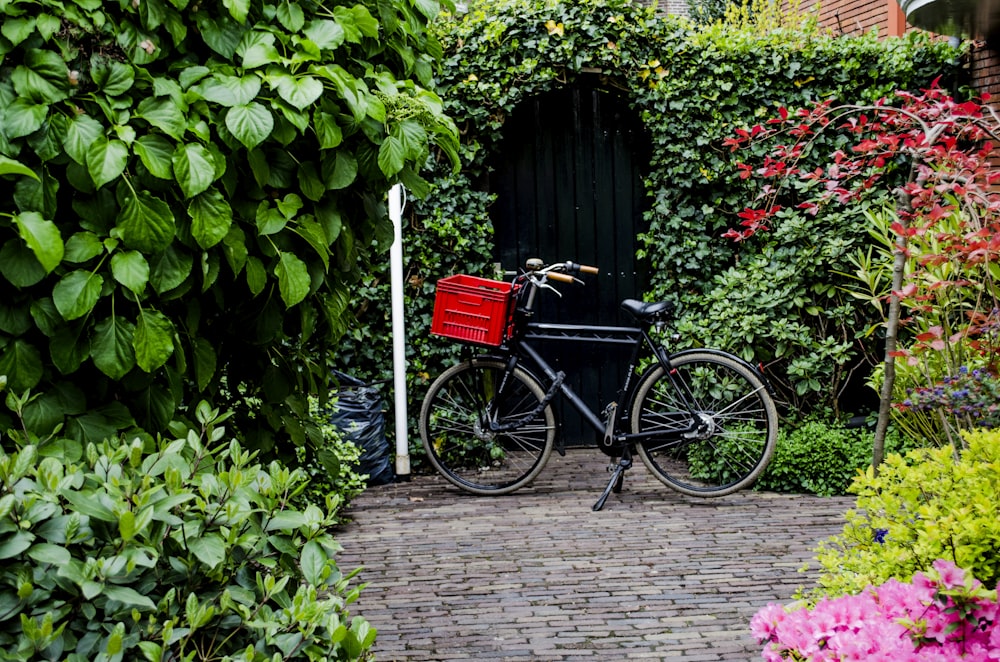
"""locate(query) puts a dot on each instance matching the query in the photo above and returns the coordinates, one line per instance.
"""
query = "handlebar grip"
(585, 269)
(563, 278)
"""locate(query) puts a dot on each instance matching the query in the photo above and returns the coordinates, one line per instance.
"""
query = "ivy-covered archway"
(778, 301)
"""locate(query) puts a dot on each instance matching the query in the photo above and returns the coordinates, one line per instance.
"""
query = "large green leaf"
(429, 8)
(111, 347)
(83, 246)
(269, 219)
(90, 505)
(153, 340)
(14, 544)
(300, 92)
(290, 15)
(256, 275)
(257, 50)
(56, 555)
(42, 237)
(324, 33)
(293, 279)
(24, 117)
(68, 348)
(114, 78)
(327, 130)
(131, 269)
(11, 167)
(313, 562)
(211, 218)
(230, 91)
(165, 114)
(17, 29)
(391, 156)
(194, 168)
(22, 365)
(343, 173)
(238, 9)
(19, 265)
(204, 363)
(106, 160)
(222, 36)
(170, 268)
(156, 153)
(76, 293)
(82, 132)
(310, 230)
(146, 223)
(129, 597)
(250, 123)
(209, 548)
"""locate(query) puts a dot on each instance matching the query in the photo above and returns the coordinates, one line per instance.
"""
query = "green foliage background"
(692, 87)
(190, 191)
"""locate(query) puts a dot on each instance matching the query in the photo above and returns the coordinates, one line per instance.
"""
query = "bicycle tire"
(460, 446)
(737, 424)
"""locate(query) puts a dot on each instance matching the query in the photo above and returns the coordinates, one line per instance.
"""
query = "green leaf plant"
(186, 547)
(191, 190)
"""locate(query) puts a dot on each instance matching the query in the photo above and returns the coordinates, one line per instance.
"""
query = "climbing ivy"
(692, 86)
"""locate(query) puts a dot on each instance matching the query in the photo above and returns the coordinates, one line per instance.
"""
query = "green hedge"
(691, 86)
(187, 548)
(929, 504)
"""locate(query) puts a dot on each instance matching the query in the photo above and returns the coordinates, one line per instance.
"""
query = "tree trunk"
(891, 330)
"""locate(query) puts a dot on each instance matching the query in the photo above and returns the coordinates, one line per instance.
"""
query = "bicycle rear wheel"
(454, 427)
(728, 442)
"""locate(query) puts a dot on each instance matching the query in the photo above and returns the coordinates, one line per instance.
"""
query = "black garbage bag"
(357, 414)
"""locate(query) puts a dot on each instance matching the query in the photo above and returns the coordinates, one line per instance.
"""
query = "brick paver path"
(538, 576)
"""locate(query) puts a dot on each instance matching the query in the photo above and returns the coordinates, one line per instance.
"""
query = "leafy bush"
(190, 191)
(813, 456)
(942, 615)
(178, 549)
(931, 504)
(820, 457)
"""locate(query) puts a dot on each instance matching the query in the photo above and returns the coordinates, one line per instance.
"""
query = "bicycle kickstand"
(617, 477)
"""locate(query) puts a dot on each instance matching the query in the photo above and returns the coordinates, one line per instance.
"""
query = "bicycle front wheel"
(455, 427)
(718, 445)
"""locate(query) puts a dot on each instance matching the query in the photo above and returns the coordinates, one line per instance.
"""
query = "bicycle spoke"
(715, 439)
(455, 427)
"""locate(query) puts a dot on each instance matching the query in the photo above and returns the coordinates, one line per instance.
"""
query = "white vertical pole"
(398, 332)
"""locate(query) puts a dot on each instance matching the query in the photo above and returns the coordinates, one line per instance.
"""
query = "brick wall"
(852, 17)
(858, 16)
(984, 65)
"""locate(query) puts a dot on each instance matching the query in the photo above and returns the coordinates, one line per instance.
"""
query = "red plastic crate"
(471, 309)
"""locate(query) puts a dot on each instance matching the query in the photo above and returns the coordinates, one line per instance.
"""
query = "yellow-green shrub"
(931, 504)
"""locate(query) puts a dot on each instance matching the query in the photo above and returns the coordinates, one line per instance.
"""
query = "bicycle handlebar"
(561, 277)
(534, 265)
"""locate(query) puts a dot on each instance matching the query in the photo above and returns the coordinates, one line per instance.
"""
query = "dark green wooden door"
(569, 184)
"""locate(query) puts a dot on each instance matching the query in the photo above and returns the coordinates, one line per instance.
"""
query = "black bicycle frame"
(520, 347)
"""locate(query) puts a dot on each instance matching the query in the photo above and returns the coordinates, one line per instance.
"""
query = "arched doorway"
(568, 178)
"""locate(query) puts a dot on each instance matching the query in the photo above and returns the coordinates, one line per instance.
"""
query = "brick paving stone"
(537, 575)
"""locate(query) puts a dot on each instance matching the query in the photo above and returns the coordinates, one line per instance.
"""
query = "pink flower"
(942, 616)
(951, 576)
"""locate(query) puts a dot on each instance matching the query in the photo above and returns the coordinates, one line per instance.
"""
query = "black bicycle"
(703, 421)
